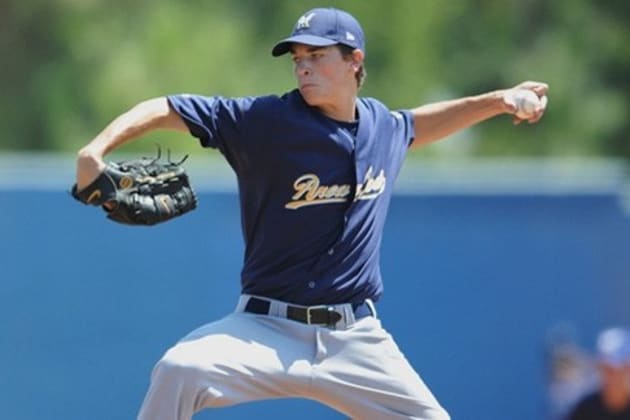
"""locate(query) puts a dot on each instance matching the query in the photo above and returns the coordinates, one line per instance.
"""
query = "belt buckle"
(314, 308)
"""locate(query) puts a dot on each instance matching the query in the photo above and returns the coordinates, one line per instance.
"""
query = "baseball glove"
(141, 191)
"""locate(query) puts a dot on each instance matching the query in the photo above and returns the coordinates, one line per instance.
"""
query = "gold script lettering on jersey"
(309, 191)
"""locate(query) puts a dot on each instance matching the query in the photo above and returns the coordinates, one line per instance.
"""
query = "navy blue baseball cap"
(323, 27)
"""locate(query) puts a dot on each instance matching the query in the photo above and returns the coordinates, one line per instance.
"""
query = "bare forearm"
(147, 116)
(440, 119)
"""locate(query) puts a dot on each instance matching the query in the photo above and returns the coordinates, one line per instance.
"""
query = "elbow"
(422, 140)
(89, 156)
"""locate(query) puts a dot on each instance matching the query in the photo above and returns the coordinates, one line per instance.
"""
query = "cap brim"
(284, 46)
(615, 361)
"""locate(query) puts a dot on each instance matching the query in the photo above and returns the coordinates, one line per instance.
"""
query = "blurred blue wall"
(473, 286)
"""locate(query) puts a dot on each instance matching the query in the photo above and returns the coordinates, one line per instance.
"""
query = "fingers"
(539, 110)
(543, 101)
(540, 89)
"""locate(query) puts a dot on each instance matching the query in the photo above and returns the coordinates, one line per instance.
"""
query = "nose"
(302, 68)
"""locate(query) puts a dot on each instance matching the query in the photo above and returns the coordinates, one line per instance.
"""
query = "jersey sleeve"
(404, 121)
(216, 121)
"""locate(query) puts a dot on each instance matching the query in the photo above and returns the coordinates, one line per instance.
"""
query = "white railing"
(210, 172)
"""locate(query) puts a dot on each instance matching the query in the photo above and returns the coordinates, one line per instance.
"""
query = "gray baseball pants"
(355, 368)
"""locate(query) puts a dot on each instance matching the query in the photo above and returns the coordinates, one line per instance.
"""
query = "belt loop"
(331, 315)
(348, 316)
(278, 308)
(242, 303)
(282, 310)
(370, 305)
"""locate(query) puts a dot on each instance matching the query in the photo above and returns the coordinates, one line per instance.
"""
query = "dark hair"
(361, 74)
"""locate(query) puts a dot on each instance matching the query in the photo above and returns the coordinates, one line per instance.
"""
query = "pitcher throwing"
(316, 168)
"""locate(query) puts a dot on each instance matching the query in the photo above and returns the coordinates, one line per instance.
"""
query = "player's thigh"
(242, 357)
(369, 377)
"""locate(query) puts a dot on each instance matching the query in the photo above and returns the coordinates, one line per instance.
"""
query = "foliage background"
(70, 66)
(528, 250)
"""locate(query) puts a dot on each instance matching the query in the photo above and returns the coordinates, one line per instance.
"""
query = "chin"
(310, 99)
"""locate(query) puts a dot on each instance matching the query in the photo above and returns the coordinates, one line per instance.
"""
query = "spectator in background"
(611, 401)
(572, 376)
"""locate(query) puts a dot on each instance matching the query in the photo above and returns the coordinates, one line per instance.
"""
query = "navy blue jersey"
(314, 192)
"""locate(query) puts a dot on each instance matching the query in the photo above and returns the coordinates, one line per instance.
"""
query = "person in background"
(611, 400)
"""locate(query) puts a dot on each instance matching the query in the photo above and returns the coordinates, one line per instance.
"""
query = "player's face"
(616, 376)
(322, 73)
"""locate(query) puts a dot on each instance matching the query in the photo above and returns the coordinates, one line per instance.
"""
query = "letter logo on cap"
(304, 21)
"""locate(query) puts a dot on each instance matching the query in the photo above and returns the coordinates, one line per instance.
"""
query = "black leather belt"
(317, 315)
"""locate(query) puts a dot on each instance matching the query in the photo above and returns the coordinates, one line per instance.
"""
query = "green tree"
(70, 66)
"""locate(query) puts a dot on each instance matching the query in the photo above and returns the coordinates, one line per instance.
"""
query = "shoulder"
(379, 110)
(592, 398)
(589, 404)
(242, 109)
(374, 105)
(236, 103)
(276, 105)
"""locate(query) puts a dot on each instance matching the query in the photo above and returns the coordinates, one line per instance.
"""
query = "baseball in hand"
(527, 103)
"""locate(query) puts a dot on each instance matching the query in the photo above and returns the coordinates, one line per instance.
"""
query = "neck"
(616, 398)
(344, 109)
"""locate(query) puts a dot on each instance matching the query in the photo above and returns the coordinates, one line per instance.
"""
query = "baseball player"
(315, 168)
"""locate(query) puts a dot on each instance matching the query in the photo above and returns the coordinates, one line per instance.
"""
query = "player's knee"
(435, 412)
(167, 372)
(173, 368)
(184, 381)
(440, 414)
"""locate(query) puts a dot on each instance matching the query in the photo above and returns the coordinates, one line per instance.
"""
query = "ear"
(357, 59)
